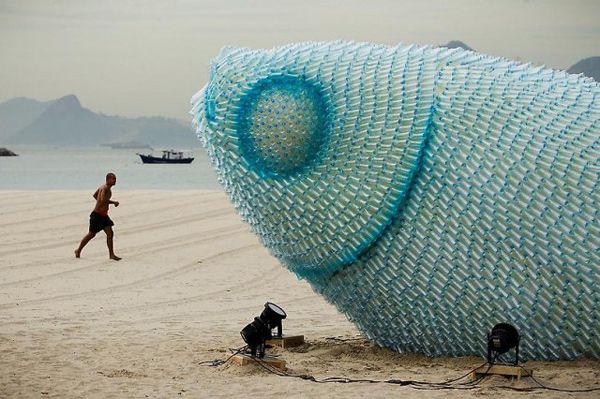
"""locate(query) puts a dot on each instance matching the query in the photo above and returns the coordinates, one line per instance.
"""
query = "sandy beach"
(192, 276)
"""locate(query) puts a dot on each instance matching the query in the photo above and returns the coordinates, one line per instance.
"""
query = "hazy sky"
(137, 58)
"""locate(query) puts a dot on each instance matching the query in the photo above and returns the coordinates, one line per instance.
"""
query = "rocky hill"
(17, 113)
(65, 122)
(590, 67)
(456, 44)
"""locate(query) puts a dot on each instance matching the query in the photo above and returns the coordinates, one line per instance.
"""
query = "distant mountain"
(64, 122)
(17, 113)
(456, 44)
(590, 67)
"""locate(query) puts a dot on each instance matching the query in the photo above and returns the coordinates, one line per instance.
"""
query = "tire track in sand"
(132, 230)
(144, 249)
(137, 283)
(133, 214)
(254, 282)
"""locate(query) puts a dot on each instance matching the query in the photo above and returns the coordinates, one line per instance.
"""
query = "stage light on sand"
(256, 333)
(501, 339)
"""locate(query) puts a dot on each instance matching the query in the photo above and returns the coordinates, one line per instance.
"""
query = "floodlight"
(501, 339)
(256, 333)
(272, 315)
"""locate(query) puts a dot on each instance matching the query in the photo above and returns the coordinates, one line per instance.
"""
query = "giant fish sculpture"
(427, 193)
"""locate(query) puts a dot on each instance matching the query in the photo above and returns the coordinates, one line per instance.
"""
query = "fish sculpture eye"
(282, 125)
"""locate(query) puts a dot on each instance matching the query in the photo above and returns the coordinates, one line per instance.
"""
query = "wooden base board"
(287, 341)
(244, 360)
(501, 369)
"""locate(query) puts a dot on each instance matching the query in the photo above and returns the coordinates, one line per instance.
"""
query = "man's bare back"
(99, 219)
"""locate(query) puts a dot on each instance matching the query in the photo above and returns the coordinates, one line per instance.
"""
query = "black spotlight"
(273, 315)
(501, 339)
(256, 333)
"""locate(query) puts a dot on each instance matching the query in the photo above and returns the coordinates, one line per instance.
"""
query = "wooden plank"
(287, 341)
(501, 369)
(244, 360)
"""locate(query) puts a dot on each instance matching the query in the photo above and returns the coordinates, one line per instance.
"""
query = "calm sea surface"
(45, 168)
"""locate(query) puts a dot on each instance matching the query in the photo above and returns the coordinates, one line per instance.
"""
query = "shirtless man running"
(99, 219)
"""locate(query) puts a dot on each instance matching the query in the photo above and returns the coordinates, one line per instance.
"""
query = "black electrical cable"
(422, 385)
(415, 384)
(339, 339)
(467, 374)
(562, 389)
(219, 362)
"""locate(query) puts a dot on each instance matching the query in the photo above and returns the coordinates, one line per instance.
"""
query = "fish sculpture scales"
(427, 193)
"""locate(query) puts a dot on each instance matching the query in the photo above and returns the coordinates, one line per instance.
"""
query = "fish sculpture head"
(428, 193)
(314, 150)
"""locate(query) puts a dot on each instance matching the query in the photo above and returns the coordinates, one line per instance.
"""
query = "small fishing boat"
(168, 156)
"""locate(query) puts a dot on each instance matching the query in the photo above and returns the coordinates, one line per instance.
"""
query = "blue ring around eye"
(283, 124)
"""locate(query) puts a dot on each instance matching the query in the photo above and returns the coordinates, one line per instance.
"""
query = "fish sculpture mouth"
(321, 153)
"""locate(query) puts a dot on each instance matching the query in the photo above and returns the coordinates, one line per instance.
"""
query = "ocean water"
(52, 168)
